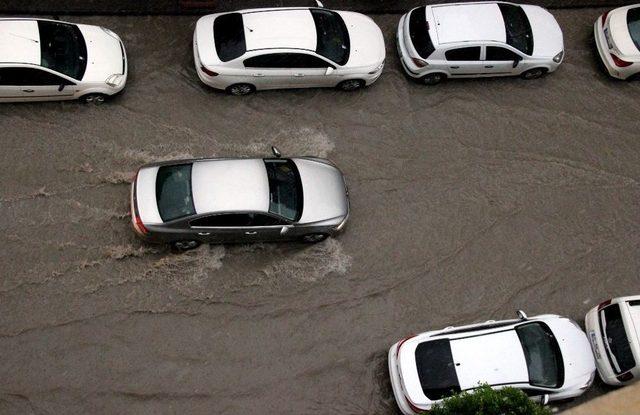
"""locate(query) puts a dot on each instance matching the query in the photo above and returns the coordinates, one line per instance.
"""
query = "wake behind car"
(547, 356)
(258, 49)
(467, 40)
(188, 202)
(617, 34)
(614, 331)
(48, 60)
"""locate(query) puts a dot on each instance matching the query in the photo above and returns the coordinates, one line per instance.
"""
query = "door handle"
(298, 74)
(488, 66)
(454, 67)
(28, 90)
(204, 233)
(251, 233)
(258, 74)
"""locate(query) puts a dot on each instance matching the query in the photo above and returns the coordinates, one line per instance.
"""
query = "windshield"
(285, 189)
(62, 48)
(419, 33)
(633, 22)
(517, 26)
(436, 370)
(333, 37)
(228, 35)
(542, 354)
(173, 192)
(616, 341)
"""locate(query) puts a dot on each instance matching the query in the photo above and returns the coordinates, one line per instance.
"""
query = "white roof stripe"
(19, 41)
(469, 23)
(280, 29)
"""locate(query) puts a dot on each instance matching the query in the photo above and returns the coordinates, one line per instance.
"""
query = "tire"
(534, 73)
(96, 99)
(185, 245)
(433, 78)
(313, 238)
(241, 89)
(351, 85)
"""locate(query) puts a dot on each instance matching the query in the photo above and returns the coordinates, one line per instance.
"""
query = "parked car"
(614, 331)
(47, 60)
(468, 40)
(547, 356)
(257, 49)
(187, 202)
(617, 34)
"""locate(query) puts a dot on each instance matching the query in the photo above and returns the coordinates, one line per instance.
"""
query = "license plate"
(594, 344)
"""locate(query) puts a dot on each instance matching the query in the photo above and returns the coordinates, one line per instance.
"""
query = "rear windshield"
(616, 340)
(542, 354)
(228, 35)
(285, 189)
(436, 370)
(419, 33)
(62, 48)
(517, 26)
(333, 37)
(173, 192)
(633, 21)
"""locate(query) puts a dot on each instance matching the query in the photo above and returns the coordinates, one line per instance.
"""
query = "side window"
(223, 220)
(285, 60)
(496, 53)
(299, 60)
(463, 54)
(28, 77)
(265, 220)
(8, 76)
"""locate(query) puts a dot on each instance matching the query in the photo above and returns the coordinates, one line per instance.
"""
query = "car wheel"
(433, 78)
(534, 73)
(241, 89)
(313, 238)
(351, 84)
(97, 99)
(185, 245)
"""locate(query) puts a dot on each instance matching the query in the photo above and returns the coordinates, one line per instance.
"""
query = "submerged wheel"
(433, 78)
(314, 237)
(351, 84)
(534, 73)
(185, 245)
(241, 89)
(97, 99)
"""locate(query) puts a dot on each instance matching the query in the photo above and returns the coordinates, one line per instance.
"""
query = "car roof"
(230, 186)
(19, 41)
(280, 29)
(469, 22)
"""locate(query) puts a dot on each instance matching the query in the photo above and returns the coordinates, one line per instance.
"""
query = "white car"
(49, 60)
(617, 34)
(547, 356)
(614, 331)
(468, 40)
(256, 49)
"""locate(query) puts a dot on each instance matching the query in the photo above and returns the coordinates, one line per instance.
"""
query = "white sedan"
(468, 40)
(617, 35)
(48, 60)
(249, 50)
(548, 357)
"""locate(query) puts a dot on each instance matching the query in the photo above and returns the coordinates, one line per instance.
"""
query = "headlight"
(110, 33)
(558, 57)
(114, 80)
(341, 225)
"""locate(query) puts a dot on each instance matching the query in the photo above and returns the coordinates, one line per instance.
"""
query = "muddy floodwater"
(469, 200)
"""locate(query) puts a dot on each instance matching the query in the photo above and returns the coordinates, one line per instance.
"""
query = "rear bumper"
(403, 54)
(395, 382)
(594, 334)
(603, 50)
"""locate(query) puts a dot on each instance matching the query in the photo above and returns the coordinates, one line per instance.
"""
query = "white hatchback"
(614, 331)
(547, 356)
(467, 40)
(48, 60)
(250, 50)
(617, 35)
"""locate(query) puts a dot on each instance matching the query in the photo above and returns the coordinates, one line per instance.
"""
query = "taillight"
(208, 71)
(137, 222)
(414, 408)
(625, 377)
(139, 225)
(619, 62)
(604, 17)
(419, 62)
(603, 304)
(404, 340)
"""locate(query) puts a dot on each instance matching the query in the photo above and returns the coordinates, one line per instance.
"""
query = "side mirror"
(276, 152)
(61, 87)
(329, 71)
(285, 229)
(544, 399)
(319, 3)
(522, 315)
(516, 61)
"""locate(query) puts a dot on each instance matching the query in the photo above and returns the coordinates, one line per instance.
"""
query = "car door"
(40, 85)
(464, 61)
(312, 71)
(501, 61)
(264, 228)
(9, 90)
(271, 70)
(222, 227)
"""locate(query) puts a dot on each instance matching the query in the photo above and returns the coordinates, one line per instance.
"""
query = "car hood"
(547, 35)
(366, 42)
(104, 54)
(323, 189)
(579, 364)
(619, 32)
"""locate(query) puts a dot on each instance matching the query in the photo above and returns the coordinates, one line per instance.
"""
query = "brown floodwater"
(469, 200)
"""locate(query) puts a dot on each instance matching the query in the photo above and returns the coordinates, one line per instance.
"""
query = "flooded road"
(469, 200)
